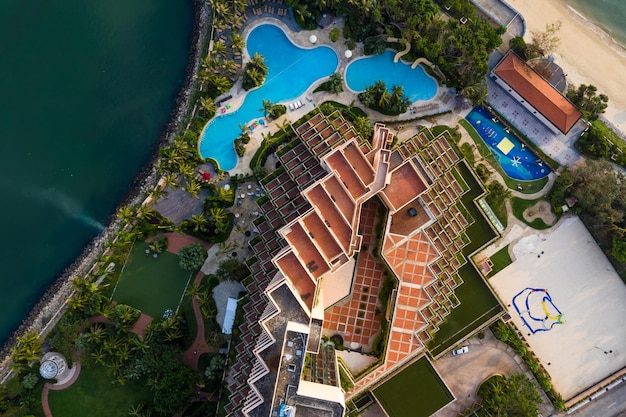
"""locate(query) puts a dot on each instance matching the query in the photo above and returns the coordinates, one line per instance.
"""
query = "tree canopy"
(192, 256)
(587, 100)
(515, 396)
(254, 72)
(459, 49)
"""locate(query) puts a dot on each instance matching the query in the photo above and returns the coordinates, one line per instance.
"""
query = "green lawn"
(415, 392)
(518, 205)
(95, 395)
(501, 259)
(151, 285)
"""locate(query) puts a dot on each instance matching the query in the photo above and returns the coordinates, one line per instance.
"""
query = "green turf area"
(501, 259)
(151, 285)
(518, 205)
(415, 392)
(477, 303)
(95, 395)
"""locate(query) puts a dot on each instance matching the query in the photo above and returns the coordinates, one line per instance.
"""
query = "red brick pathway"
(199, 345)
(48, 387)
(176, 241)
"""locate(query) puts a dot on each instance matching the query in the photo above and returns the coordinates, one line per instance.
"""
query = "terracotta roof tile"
(538, 92)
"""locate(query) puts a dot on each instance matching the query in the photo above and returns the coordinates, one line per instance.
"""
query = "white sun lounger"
(291, 106)
(300, 104)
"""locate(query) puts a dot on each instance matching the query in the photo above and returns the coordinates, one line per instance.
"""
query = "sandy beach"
(586, 54)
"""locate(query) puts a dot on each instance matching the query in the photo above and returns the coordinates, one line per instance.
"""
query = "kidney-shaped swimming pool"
(366, 71)
(291, 70)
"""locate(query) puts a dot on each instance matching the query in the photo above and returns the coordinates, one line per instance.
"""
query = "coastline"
(51, 305)
(587, 54)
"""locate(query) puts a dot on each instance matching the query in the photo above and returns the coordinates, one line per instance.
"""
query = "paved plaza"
(569, 304)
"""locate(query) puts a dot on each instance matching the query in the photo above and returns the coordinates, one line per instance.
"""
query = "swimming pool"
(291, 70)
(366, 71)
(517, 161)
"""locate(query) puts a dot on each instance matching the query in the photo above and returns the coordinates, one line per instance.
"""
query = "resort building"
(337, 202)
(536, 94)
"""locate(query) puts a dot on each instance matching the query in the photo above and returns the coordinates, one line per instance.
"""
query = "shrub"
(334, 34)
(192, 256)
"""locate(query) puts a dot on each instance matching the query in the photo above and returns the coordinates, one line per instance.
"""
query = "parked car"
(461, 350)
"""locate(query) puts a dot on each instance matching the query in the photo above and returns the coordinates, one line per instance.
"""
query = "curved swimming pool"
(517, 161)
(366, 71)
(291, 70)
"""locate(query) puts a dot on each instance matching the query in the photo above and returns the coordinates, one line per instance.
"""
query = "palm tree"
(220, 83)
(217, 214)
(224, 194)
(98, 356)
(126, 213)
(171, 181)
(228, 68)
(237, 42)
(207, 105)
(194, 289)
(219, 48)
(135, 410)
(335, 82)
(258, 61)
(193, 187)
(198, 222)
(186, 170)
(267, 107)
(157, 193)
(303, 12)
(384, 99)
(27, 350)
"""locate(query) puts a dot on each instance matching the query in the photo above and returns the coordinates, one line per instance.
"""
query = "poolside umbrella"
(206, 176)
(313, 39)
(348, 54)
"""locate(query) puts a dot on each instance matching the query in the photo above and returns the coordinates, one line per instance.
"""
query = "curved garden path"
(57, 387)
(199, 345)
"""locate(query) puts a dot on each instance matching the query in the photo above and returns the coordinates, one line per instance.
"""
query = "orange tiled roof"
(538, 92)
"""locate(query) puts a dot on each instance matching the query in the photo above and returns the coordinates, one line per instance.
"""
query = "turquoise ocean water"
(86, 88)
(609, 15)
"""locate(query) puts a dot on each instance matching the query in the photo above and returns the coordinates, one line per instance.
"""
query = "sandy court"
(566, 278)
(541, 210)
(586, 55)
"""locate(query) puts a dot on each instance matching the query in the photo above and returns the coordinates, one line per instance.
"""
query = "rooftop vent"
(412, 212)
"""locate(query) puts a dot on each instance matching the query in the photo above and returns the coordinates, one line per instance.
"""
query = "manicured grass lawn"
(151, 285)
(415, 392)
(500, 260)
(95, 395)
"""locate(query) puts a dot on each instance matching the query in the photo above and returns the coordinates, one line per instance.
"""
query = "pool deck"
(442, 101)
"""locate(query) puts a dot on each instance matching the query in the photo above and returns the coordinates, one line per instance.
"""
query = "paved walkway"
(57, 387)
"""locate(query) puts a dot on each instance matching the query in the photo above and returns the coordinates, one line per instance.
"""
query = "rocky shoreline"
(46, 313)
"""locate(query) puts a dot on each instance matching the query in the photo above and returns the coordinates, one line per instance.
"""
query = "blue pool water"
(364, 72)
(291, 70)
(519, 163)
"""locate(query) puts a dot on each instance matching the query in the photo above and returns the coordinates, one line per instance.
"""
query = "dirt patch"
(541, 210)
